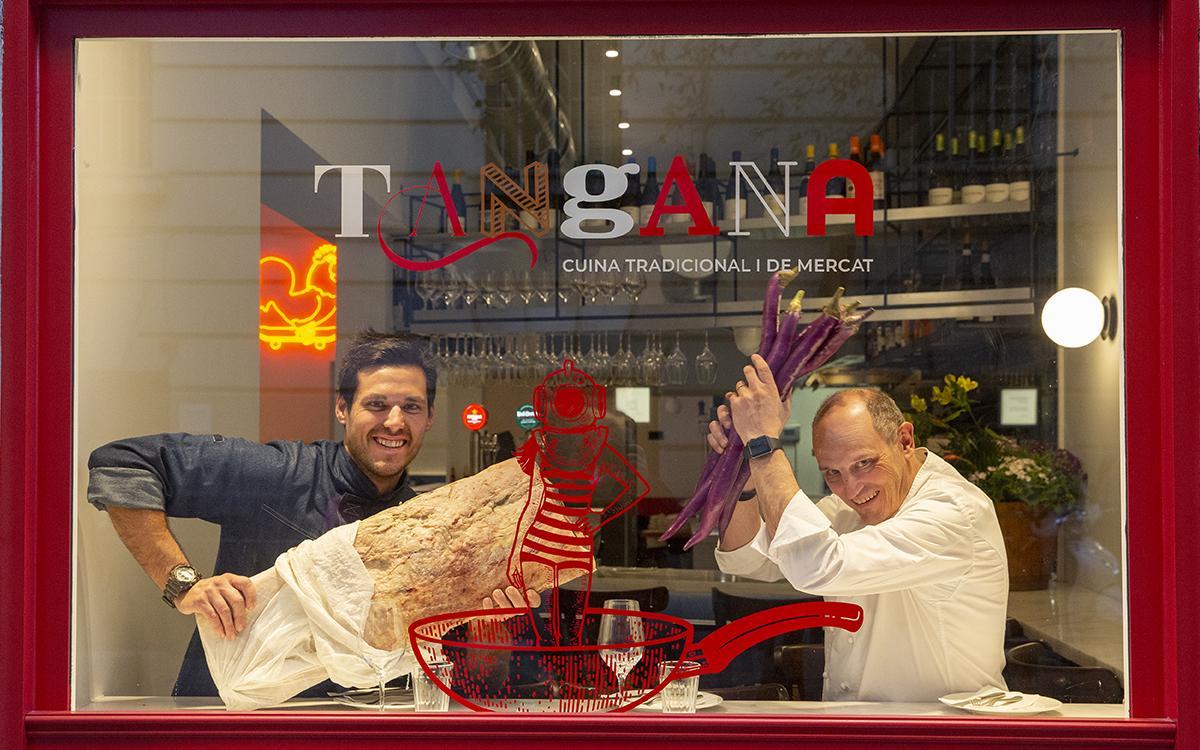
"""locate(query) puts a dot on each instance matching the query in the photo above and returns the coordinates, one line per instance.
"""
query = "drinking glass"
(633, 284)
(625, 364)
(652, 363)
(706, 365)
(679, 695)
(427, 695)
(426, 289)
(677, 365)
(621, 636)
(526, 288)
(506, 287)
(452, 288)
(544, 287)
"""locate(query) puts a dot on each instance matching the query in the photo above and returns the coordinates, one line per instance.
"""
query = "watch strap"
(762, 445)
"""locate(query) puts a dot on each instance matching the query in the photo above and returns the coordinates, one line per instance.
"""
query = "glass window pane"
(246, 208)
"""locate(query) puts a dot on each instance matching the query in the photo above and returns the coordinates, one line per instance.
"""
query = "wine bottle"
(966, 264)
(735, 208)
(650, 191)
(856, 155)
(836, 186)
(875, 169)
(973, 187)
(1018, 169)
(810, 163)
(997, 186)
(956, 171)
(941, 191)
(457, 198)
(987, 276)
(632, 197)
(775, 182)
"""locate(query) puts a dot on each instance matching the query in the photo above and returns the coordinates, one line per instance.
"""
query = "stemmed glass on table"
(621, 636)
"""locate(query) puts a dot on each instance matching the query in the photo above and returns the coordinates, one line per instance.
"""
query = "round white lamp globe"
(1073, 317)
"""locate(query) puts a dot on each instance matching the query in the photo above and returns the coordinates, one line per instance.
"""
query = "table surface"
(795, 708)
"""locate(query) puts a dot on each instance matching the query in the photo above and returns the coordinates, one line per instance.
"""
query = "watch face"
(185, 575)
(759, 446)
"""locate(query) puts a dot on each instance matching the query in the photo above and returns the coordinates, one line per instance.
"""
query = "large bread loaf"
(444, 551)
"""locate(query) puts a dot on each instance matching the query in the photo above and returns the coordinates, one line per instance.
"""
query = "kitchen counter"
(1085, 626)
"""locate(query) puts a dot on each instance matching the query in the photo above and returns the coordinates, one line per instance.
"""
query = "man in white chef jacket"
(903, 535)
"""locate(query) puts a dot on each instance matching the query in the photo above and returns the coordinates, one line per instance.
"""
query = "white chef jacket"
(932, 581)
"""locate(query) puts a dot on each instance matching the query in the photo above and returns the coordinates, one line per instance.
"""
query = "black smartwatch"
(763, 445)
(179, 581)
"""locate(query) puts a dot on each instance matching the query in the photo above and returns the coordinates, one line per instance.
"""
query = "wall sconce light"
(1075, 317)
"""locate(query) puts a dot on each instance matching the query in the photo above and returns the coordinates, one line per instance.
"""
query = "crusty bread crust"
(444, 551)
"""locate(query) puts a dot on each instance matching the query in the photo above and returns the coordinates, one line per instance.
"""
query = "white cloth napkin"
(307, 626)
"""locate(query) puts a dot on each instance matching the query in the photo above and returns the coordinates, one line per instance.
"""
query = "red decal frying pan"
(490, 674)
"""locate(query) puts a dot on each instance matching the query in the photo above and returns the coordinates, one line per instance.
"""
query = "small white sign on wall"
(634, 403)
(1018, 407)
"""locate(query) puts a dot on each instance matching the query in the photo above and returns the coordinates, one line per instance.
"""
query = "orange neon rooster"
(293, 314)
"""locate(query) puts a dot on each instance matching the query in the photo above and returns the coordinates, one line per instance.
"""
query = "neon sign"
(294, 313)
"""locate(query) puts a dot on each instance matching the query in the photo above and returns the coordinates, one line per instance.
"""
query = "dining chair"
(802, 666)
(1035, 668)
(652, 599)
(756, 663)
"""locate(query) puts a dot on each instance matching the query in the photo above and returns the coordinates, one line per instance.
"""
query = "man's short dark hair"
(886, 417)
(371, 349)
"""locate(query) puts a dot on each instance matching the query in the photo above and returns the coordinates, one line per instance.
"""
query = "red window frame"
(1161, 320)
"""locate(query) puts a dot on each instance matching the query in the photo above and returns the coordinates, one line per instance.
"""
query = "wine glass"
(506, 288)
(677, 365)
(652, 362)
(625, 364)
(621, 639)
(426, 289)
(706, 365)
(526, 288)
(633, 284)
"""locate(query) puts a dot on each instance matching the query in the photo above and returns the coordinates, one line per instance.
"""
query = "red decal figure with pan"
(571, 452)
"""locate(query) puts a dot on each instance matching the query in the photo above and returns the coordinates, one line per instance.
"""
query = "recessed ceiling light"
(614, 92)
(626, 152)
(623, 125)
(611, 53)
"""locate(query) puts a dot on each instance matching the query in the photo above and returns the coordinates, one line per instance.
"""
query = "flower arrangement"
(1040, 475)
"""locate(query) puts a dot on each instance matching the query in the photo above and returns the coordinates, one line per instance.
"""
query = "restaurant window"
(244, 208)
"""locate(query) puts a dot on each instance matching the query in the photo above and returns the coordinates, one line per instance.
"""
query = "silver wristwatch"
(181, 578)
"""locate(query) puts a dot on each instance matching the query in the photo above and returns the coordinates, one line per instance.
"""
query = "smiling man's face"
(387, 422)
(870, 474)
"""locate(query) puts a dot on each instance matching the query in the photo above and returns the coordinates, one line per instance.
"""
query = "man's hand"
(223, 599)
(510, 598)
(754, 404)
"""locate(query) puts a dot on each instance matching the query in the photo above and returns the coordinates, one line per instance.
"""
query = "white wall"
(1090, 257)
(167, 271)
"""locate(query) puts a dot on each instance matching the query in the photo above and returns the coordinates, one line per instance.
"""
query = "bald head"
(884, 414)
(865, 452)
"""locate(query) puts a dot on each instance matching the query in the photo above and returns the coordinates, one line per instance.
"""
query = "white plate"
(1027, 706)
(703, 701)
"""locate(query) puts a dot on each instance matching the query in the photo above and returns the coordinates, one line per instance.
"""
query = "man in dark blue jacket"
(269, 497)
